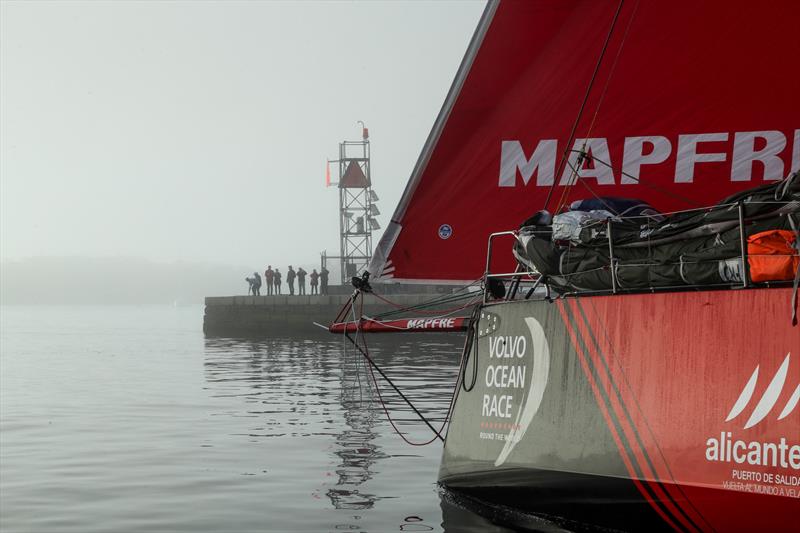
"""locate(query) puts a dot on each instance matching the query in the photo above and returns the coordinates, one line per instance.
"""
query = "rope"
(613, 65)
(583, 104)
(422, 308)
(653, 186)
(574, 176)
(445, 315)
(457, 296)
(472, 335)
(403, 396)
(437, 434)
(598, 198)
(373, 365)
(365, 352)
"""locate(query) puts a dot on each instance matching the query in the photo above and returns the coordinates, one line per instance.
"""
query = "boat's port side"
(541, 500)
(670, 408)
(486, 513)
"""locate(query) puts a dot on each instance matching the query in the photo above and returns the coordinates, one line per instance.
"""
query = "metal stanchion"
(611, 257)
(743, 244)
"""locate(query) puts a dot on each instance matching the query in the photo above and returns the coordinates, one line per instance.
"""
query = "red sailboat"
(644, 397)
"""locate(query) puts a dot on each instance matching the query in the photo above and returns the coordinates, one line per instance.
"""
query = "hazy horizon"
(198, 132)
(116, 280)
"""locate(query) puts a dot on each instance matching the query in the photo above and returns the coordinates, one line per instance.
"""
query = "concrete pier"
(256, 315)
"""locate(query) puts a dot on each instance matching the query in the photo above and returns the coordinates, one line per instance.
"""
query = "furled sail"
(677, 103)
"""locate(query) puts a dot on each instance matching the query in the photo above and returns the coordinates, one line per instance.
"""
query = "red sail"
(686, 101)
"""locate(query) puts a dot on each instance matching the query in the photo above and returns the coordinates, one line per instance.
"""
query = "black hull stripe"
(650, 494)
(604, 358)
(625, 412)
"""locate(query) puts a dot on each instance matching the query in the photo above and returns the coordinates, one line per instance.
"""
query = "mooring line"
(396, 389)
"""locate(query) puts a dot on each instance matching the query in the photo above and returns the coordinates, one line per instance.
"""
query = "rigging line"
(401, 311)
(444, 298)
(374, 365)
(438, 313)
(421, 308)
(447, 416)
(653, 186)
(613, 67)
(391, 420)
(357, 321)
(356, 360)
(583, 103)
(472, 336)
(598, 198)
(365, 353)
(378, 319)
(574, 176)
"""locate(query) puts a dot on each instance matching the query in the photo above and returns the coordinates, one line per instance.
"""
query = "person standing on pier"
(323, 278)
(250, 284)
(256, 284)
(314, 281)
(277, 279)
(268, 274)
(290, 279)
(301, 280)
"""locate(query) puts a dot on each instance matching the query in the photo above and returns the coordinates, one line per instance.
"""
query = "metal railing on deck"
(531, 282)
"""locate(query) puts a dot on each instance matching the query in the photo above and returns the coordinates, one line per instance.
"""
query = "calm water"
(129, 419)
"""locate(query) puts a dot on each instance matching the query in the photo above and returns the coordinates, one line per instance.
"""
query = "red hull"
(709, 442)
(710, 344)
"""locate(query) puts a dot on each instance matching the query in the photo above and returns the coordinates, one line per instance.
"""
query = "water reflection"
(354, 444)
(321, 387)
(289, 387)
(317, 396)
(130, 419)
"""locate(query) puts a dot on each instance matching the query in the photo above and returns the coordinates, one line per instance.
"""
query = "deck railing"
(527, 283)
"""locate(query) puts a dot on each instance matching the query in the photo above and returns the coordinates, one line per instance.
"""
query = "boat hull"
(639, 412)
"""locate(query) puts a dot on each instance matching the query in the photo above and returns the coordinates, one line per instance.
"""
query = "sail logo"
(768, 399)
(748, 150)
(728, 448)
(532, 398)
(445, 231)
(431, 323)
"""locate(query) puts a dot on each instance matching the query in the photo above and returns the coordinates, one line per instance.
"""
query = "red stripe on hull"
(639, 438)
(703, 348)
(634, 475)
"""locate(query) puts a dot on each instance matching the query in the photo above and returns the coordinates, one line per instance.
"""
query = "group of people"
(273, 279)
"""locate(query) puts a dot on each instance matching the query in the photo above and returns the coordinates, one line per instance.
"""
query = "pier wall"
(257, 315)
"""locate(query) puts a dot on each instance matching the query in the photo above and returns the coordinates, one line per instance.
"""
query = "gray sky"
(198, 131)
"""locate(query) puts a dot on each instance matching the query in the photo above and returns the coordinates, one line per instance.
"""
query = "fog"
(116, 280)
(192, 136)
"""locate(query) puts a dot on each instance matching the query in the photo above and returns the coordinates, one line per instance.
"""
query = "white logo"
(529, 407)
(688, 149)
(431, 323)
(768, 399)
(445, 231)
